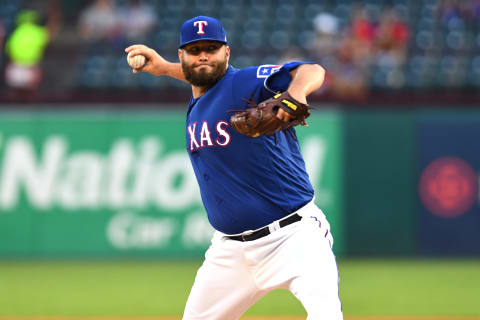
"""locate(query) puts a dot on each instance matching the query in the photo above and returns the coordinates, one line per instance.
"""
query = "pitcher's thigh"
(221, 291)
(317, 286)
(316, 283)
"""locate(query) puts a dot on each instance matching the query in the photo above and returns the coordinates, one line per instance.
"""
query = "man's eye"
(194, 51)
(214, 48)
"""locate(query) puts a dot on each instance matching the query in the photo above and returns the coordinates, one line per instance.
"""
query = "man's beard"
(203, 78)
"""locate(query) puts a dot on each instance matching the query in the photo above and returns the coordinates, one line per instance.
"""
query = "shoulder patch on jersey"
(266, 70)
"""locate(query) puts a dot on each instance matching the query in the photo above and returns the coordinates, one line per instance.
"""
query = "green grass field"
(145, 288)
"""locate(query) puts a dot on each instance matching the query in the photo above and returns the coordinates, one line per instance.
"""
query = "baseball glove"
(261, 119)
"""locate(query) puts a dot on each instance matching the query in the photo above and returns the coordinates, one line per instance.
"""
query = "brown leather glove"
(261, 119)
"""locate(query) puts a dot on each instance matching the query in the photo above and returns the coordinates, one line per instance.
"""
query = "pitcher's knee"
(321, 309)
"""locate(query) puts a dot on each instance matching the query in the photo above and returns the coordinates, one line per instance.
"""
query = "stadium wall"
(119, 183)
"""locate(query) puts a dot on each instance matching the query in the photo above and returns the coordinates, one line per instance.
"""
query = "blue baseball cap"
(202, 28)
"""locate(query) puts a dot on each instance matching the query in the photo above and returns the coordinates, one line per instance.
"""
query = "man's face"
(204, 62)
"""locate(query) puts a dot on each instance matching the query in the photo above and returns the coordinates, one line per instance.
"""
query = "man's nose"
(203, 56)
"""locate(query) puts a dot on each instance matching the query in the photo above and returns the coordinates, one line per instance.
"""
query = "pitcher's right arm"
(156, 64)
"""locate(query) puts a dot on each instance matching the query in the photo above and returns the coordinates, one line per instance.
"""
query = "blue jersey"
(245, 183)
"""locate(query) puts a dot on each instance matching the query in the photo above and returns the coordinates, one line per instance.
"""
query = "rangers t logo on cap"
(200, 25)
(200, 31)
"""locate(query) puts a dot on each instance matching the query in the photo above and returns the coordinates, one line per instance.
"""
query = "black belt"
(265, 231)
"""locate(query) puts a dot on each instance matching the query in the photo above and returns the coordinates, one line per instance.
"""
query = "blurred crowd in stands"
(73, 50)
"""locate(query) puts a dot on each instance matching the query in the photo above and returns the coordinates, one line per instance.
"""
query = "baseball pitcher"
(241, 140)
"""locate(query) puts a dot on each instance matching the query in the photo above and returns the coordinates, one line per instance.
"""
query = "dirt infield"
(244, 318)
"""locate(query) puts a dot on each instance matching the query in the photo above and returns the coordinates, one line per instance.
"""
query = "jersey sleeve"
(247, 83)
(261, 82)
(279, 80)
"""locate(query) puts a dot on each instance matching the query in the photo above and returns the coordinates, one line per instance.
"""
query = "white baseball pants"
(297, 257)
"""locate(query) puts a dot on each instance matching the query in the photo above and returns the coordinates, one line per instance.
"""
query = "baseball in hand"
(137, 61)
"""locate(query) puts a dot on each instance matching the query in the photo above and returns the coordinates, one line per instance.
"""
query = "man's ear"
(227, 52)
(180, 52)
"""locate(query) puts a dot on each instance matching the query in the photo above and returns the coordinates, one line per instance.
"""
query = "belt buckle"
(246, 233)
